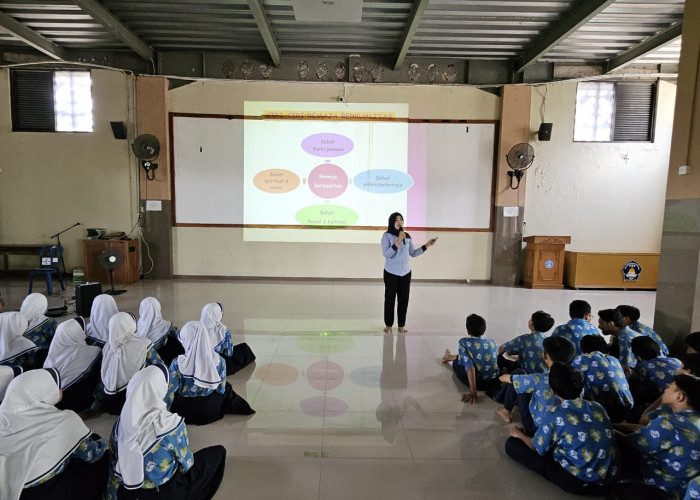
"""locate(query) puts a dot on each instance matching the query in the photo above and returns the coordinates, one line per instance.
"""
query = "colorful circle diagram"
(328, 181)
(327, 145)
(276, 180)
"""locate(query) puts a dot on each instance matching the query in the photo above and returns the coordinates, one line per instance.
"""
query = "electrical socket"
(683, 170)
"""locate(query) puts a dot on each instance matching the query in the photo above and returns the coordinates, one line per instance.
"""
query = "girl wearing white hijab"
(15, 349)
(123, 356)
(198, 388)
(150, 453)
(103, 308)
(161, 332)
(236, 357)
(38, 443)
(40, 329)
(7, 373)
(78, 364)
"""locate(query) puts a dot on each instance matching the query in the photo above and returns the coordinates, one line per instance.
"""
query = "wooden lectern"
(544, 261)
(127, 273)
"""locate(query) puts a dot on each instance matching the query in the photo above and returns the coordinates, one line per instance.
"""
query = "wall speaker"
(545, 132)
(118, 129)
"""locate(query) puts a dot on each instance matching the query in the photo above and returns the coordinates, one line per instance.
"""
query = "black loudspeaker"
(84, 296)
(545, 132)
(118, 129)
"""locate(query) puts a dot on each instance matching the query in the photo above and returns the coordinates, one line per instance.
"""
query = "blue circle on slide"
(383, 181)
(549, 264)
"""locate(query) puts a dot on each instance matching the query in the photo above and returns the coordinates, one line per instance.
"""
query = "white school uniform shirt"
(35, 436)
(124, 354)
(69, 354)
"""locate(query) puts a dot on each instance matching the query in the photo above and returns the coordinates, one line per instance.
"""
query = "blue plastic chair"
(50, 258)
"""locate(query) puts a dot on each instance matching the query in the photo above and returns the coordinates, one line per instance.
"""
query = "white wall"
(49, 181)
(608, 196)
(222, 251)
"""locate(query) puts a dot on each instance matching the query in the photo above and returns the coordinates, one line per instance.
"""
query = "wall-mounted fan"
(111, 259)
(147, 148)
(519, 158)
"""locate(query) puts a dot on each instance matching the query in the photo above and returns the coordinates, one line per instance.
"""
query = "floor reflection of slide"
(393, 385)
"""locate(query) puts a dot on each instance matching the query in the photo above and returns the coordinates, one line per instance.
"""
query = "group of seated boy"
(618, 417)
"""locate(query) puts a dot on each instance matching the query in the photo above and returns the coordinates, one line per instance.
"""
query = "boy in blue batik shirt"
(667, 451)
(693, 491)
(574, 447)
(610, 322)
(604, 378)
(630, 317)
(531, 393)
(476, 365)
(578, 326)
(528, 347)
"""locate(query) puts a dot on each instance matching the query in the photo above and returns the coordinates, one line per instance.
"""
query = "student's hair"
(693, 340)
(611, 316)
(559, 349)
(579, 308)
(691, 362)
(542, 321)
(645, 348)
(590, 343)
(476, 325)
(689, 384)
(630, 312)
(565, 381)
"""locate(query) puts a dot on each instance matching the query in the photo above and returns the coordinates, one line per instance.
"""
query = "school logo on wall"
(631, 271)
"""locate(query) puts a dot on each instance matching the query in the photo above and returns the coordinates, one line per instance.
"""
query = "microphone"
(401, 231)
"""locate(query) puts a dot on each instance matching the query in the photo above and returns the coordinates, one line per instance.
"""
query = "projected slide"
(303, 169)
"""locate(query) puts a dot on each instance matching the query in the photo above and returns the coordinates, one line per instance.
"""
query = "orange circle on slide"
(277, 374)
(276, 180)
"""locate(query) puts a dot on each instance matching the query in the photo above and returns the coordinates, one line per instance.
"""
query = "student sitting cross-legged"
(604, 378)
(630, 317)
(574, 447)
(531, 392)
(476, 365)
(528, 347)
(15, 348)
(237, 357)
(611, 323)
(198, 389)
(666, 452)
(162, 333)
(40, 328)
(150, 450)
(579, 324)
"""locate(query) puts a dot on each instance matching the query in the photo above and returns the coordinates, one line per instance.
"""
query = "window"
(51, 101)
(614, 112)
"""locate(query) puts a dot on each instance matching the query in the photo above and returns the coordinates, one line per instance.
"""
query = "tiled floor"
(344, 411)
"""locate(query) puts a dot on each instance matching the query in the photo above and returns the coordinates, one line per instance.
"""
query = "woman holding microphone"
(397, 247)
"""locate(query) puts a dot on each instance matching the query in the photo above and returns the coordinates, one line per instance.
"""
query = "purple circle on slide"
(327, 145)
(319, 406)
(328, 181)
(325, 375)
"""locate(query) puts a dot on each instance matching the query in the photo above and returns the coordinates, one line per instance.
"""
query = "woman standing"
(397, 246)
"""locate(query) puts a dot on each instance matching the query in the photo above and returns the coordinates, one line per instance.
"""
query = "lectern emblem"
(549, 264)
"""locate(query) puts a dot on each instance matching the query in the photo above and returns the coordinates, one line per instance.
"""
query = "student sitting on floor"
(159, 331)
(630, 317)
(476, 365)
(574, 447)
(150, 450)
(652, 374)
(7, 374)
(47, 453)
(579, 324)
(604, 378)
(666, 453)
(78, 364)
(123, 356)
(531, 393)
(236, 357)
(102, 310)
(15, 348)
(611, 323)
(528, 347)
(198, 389)
(693, 490)
(692, 341)
(40, 329)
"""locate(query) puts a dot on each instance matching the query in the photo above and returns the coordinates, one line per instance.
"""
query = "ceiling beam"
(652, 43)
(118, 29)
(31, 37)
(256, 8)
(416, 16)
(561, 31)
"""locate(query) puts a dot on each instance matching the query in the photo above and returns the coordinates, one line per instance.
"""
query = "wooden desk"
(127, 273)
(19, 249)
(605, 270)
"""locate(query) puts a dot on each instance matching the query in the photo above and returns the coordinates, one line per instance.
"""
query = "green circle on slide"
(324, 343)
